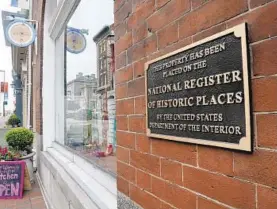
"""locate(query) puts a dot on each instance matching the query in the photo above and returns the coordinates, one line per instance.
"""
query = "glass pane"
(89, 88)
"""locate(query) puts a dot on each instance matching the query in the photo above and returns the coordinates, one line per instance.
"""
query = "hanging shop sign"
(200, 94)
(76, 41)
(20, 33)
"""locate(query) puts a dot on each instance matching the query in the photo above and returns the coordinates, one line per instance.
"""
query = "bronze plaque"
(200, 93)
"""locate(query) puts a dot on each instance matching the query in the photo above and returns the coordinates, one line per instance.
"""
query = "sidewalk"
(31, 200)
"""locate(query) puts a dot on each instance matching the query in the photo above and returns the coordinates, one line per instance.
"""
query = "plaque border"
(246, 143)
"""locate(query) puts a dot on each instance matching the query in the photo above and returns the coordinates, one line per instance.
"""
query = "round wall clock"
(20, 33)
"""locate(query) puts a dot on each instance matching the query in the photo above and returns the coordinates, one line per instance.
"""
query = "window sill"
(103, 164)
(97, 184)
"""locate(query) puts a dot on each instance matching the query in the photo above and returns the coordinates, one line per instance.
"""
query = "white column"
(59, 90)
(48, 88)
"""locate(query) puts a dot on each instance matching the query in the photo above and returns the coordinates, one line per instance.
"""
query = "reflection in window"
(90, 104)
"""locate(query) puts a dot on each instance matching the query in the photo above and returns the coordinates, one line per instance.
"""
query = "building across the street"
(82, 91)
(104, 40)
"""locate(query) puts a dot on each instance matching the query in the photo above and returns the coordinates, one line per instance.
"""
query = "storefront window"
(90, 98)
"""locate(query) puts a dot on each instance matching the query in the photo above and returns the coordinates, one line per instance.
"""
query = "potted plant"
(8, 155)
(20, 141)
(13, 121)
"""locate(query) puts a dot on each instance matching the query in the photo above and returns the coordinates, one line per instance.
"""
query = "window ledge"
(88, 161)
(98, 185)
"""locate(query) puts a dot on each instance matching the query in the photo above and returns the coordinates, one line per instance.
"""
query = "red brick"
(122, 185)
(118, 4)
(120, 30)
(124, 75)
(221, 188)
(165, 206)
(121, 91)
(122, 154)
(256, 3)
(267, 124)
(140, 33)
(215, 159)
(136, 3)
(37, 70)
(264, 94)
(122, 123)
(198, 3)
(168, 35)
(123, 12)
(206, 204)
(136, 52)
(143, 143)
(262, 22)
(161, 3)
(180, 44)
(144, 199)
(150, 44)
(141, 12)
(123, 43)
(126, 171)
(171, 171)
(171, 11)
(184, 153)
(125, 139)
(120, 60)
(139, 68)
(137, 124)
(267, 198)
(209, 32)
(260, 167)
(210, 14)
(143, 180)
(145, 162)
(142, 49)
(136, 87)
(125, 107)
(140, 105)
(264, 58)
(172, 194)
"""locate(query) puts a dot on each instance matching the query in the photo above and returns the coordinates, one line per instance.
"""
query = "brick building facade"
(37, 63)
(163, 174)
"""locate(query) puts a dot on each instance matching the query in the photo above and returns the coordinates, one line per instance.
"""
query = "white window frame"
(55, 21)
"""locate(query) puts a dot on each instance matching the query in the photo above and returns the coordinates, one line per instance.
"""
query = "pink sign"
(11, 179)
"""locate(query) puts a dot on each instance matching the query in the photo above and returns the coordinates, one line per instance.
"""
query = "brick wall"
(38, 14)
(159, 174)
